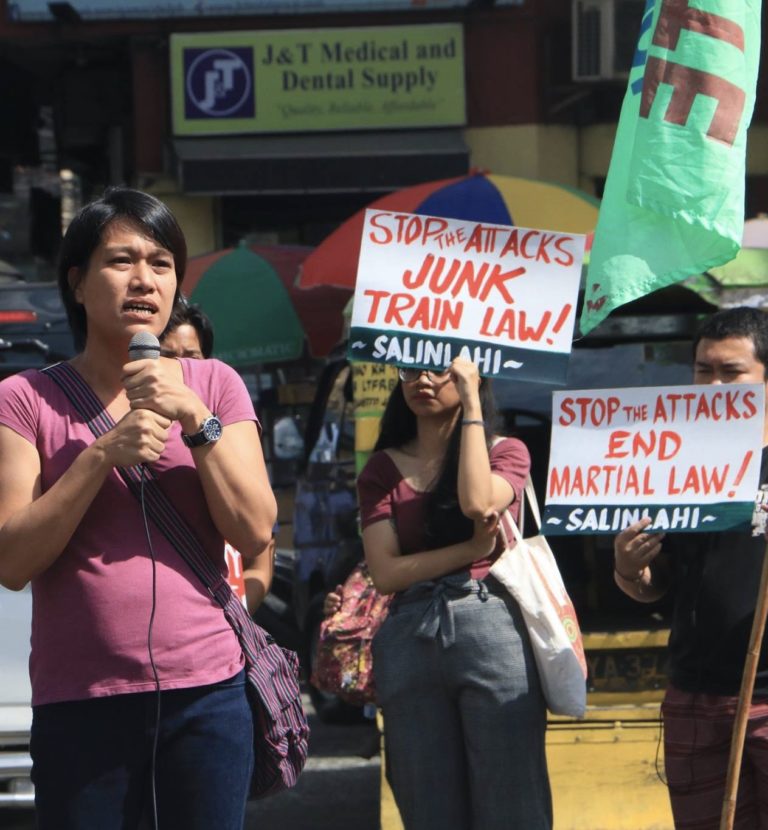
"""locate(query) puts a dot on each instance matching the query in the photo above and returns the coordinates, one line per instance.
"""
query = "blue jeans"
(92, 760)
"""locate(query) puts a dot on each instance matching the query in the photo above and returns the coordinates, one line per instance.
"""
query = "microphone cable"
(145, 346)
(153, 761)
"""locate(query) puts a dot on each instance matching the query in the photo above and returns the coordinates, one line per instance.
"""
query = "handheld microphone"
(144, 346)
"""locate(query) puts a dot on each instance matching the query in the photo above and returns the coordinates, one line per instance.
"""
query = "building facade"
(342, 104)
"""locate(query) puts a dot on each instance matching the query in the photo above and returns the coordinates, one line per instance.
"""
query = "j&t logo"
(219, 83)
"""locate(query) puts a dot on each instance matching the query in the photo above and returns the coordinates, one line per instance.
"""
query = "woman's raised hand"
(138, 438)
(155, 385)
(465, 375)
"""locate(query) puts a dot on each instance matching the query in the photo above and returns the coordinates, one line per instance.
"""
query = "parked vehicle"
(326, 537)
(15, 695)
(33, 333)
(33, 326)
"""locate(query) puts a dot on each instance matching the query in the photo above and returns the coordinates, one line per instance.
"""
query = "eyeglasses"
(412, 375)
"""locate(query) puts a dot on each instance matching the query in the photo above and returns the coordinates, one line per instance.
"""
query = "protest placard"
(429, 289)
(686, 456)
(372, 384)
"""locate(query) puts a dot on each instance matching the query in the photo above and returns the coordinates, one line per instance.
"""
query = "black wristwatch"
(210, 431)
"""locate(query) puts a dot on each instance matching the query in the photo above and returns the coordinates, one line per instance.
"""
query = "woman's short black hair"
(185, 313)
(87, 229)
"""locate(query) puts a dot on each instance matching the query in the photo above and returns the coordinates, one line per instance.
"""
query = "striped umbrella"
(478, 197)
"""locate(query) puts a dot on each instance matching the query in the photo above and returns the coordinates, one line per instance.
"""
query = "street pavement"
(338, 790)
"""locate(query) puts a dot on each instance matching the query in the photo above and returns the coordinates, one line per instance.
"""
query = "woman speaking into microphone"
(138, 687)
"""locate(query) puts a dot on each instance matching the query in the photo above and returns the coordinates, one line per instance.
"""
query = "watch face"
(212, 429)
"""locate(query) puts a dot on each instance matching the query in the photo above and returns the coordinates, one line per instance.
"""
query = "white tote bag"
(529, 572)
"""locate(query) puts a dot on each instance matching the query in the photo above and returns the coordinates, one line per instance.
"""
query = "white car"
(16, 788)
(33, 333)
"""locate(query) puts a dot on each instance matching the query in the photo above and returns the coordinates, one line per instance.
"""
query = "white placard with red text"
(429, 289)
(235, 575)
(687, 456)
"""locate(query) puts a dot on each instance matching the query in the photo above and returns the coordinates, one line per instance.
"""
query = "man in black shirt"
(715, 577)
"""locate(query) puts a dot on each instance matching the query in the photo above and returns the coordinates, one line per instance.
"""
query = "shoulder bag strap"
(527, 492)
(162, 511)
(533, 503)
(521, 512)
(530, 494)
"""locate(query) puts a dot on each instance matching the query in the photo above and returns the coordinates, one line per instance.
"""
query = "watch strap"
(200, 438)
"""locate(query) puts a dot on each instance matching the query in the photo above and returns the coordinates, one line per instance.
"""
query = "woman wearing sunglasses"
(463, 709)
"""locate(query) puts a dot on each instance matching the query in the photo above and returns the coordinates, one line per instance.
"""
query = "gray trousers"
(464, 716)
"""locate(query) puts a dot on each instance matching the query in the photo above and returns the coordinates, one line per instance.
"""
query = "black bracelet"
(466, 422)
(635, 579)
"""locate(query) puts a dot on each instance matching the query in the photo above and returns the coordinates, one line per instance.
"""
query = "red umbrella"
(479, 197)
(319, 311)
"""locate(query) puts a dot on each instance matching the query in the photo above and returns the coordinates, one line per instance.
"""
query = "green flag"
(674, 197)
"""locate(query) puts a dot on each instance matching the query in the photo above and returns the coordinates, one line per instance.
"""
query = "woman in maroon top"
(455, 676)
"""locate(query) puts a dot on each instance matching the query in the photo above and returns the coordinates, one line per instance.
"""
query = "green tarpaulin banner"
(674, 197)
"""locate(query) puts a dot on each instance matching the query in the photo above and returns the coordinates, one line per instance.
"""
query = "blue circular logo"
(219, 82)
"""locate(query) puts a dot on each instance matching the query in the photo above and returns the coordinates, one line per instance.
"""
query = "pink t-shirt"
(91, 608)
(384, 494)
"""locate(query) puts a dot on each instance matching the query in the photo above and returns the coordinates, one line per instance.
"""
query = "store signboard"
(302, 80)
(38, 10)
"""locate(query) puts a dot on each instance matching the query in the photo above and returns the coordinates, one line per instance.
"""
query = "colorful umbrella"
(480, 197)
(743, 280)
(257, 313)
